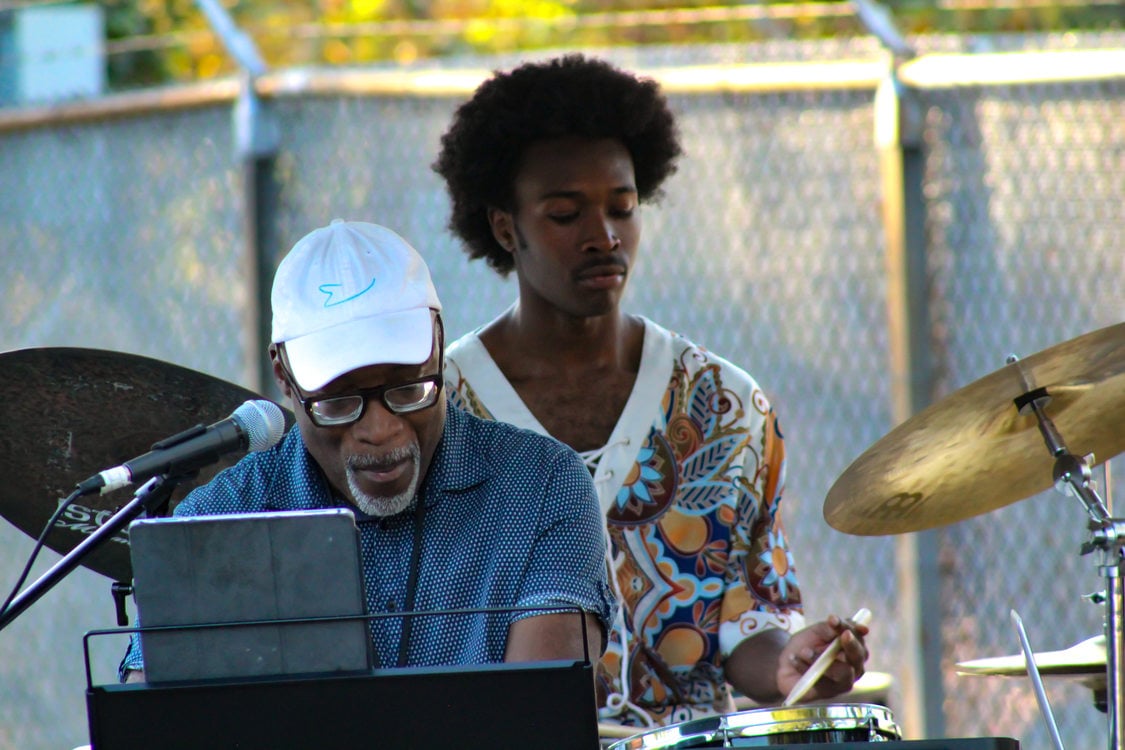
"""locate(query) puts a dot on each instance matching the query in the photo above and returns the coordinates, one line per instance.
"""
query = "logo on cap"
(329, 289)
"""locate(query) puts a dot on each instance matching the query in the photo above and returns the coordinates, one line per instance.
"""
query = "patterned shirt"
(690, 483)
(511, 520)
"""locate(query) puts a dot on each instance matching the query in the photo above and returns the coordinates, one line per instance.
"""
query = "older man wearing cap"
(454, 512)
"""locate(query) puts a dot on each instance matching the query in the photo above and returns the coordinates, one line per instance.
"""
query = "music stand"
(547, 705)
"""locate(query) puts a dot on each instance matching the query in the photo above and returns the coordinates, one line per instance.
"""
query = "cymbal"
(1085, 661)
(67, 414)
(973, 452)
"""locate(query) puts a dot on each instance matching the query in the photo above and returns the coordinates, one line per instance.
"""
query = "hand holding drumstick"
(825, 658)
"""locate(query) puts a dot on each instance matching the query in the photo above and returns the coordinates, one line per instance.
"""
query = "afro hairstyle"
(571, 95)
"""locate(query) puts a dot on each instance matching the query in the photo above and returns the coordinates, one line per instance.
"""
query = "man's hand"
(806, 645)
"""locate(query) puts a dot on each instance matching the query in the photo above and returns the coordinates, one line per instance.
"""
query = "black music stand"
(542, 705)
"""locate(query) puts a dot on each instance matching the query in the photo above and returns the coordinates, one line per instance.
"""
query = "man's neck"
(567, 343)
(574, 375)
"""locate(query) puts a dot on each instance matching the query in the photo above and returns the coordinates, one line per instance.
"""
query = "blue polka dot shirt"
(511, 520)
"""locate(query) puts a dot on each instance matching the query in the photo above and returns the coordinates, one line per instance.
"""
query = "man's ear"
(503, 228)
(278, 373)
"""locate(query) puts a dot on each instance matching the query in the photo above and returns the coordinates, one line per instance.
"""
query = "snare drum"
(763, 727)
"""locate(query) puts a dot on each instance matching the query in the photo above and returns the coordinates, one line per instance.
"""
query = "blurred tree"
(154, 41)
(125, 20)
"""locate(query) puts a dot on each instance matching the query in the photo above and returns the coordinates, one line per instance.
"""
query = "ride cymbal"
(67, 414)
(973, 452)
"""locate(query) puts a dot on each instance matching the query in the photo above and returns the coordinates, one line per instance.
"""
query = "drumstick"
(1036, 680)
(814, 673)
(617, 731)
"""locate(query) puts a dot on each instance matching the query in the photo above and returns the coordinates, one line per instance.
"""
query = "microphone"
(254, 426)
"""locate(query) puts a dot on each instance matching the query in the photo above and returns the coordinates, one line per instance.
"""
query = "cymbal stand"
(1072, 476)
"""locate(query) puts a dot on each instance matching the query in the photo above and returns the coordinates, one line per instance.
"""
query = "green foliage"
(125, 20)
(154, 41)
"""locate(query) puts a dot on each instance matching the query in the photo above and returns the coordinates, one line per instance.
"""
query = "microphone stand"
(151, 496)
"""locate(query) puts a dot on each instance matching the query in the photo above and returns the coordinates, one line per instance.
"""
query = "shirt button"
(392, 605)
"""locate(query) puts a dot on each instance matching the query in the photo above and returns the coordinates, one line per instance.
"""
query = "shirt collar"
(455, 466)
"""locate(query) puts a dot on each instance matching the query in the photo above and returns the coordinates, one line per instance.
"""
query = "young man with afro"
(547, 167)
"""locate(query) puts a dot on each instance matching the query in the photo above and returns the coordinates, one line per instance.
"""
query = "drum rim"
(803, 718)
(672, 736)
(828, 716)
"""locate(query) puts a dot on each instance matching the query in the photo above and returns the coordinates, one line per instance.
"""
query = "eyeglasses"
(400, 398)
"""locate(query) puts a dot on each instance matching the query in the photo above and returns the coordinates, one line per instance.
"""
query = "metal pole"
(256, 142)
(1115, 704)
(150, 496)
(1072, 476)
(901, 160)
(256, 149)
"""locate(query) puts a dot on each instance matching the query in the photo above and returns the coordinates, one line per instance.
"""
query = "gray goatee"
(384, 506)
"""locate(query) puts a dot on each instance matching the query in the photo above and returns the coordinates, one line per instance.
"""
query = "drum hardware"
(1072, 476)
(871, 687)
(1076, 389)
(610, 731)
(811, 724)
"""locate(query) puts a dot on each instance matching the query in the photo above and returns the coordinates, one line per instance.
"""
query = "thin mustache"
(601, 261)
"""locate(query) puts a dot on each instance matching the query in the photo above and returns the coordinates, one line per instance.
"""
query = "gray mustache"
(386, 461)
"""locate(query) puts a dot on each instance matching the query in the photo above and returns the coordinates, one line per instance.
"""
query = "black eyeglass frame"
(366, 394)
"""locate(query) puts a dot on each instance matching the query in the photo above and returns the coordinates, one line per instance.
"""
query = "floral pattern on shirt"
(698, 547)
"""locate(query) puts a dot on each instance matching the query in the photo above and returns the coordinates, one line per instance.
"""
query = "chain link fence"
(125, 233)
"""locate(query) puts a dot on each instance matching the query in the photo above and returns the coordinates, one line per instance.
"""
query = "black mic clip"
(121, 591)
(179, 437)
(158, 508)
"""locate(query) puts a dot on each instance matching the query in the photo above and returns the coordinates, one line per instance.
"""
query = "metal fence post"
(256, 141)
(255, 144)
(898, 138)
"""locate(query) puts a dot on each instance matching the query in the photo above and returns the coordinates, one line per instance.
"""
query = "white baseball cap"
(351, 295)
